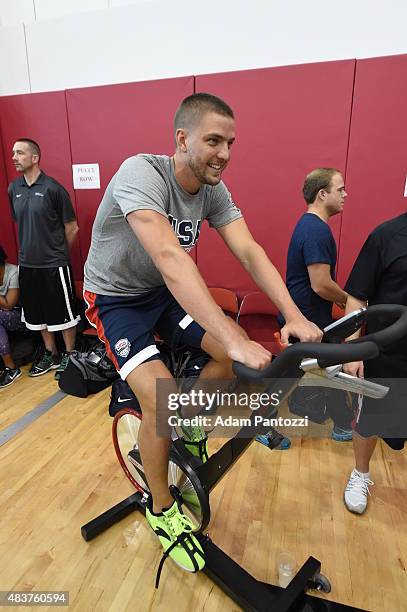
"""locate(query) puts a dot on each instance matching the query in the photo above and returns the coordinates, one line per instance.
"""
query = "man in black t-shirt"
(379, 276)
(46, 230)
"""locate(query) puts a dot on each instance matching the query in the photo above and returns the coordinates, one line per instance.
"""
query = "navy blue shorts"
(127, 326)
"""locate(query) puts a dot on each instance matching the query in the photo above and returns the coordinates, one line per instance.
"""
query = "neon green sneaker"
(198, 448)
(195, 440)
(174, 530)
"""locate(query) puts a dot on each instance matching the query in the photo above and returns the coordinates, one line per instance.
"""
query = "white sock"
(365, 476)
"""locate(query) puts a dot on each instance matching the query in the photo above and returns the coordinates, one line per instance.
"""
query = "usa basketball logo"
(122, 347)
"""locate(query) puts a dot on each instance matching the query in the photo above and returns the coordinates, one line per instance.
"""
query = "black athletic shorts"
(47, 298)
(385, 418)
(126, 324)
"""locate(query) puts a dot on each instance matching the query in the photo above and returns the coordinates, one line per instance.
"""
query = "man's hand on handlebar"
(354, 368)
(249, 353)
(302, 329)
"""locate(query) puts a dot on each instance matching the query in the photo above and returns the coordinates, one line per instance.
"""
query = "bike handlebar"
(326, 355)
(362, 349)
(392, 333)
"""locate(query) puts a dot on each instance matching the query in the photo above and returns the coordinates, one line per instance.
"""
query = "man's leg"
(174, 529)
(339, 409)
(219, 369)
(7, 358)
(363, 449)
(220, 366)
(154, 450)
(61, 312)
(49, 341)
(38, 292)
(69, 336)
(357, 489)
(50, 359)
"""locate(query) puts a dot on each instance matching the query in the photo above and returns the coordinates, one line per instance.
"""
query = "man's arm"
(355, 367)
(188, 287)
(254, 259)
(10, 300)
(324, 285)
(71, 229)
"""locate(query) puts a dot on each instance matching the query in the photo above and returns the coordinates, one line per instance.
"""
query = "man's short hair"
(192, 109)
(34, 146)
(320, 178)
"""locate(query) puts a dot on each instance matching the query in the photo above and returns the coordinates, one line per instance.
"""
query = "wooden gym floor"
(61, 471)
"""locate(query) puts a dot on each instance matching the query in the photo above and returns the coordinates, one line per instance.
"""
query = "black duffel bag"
(88, 373)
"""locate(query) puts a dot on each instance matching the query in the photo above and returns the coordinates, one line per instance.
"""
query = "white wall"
(57, 44)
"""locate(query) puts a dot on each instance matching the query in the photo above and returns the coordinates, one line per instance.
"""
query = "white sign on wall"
(86, 176)
(405, 189)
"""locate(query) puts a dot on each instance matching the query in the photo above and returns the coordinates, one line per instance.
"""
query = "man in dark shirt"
(46, 230)
(311, 262)
(379, 276)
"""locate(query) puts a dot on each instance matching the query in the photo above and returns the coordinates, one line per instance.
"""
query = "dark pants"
(320, 404)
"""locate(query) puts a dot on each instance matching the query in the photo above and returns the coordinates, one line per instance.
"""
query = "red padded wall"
(288, 121)
(7, 237)
(377, 166)
(110, 123)
(43, 118)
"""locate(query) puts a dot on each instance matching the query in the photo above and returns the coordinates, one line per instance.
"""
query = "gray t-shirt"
(117, 264)
(10, 279)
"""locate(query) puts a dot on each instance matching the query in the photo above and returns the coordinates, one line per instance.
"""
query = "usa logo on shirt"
(187, 230)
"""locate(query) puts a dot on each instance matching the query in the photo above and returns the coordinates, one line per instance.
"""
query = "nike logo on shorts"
(120, 400)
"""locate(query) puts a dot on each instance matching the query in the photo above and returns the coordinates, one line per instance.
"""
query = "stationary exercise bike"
(191, 480)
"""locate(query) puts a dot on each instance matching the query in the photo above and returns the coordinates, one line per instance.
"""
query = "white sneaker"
(356, 492)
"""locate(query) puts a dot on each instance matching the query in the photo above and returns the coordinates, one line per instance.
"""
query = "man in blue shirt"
(311, 263)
